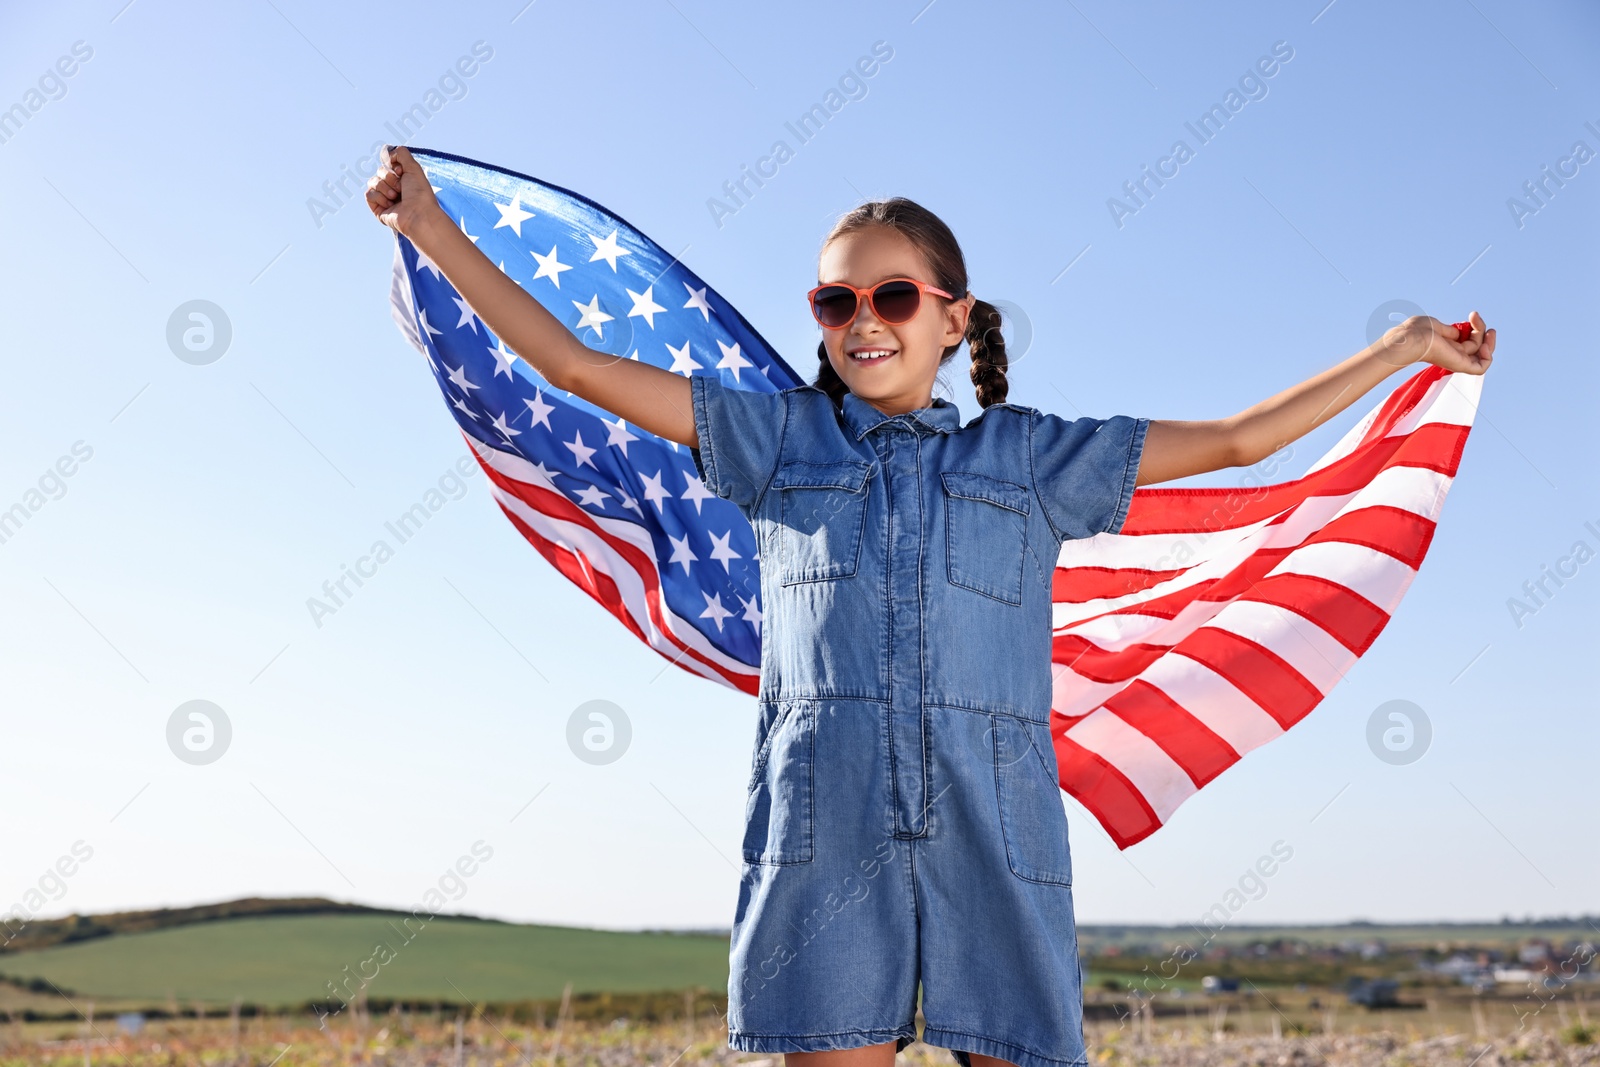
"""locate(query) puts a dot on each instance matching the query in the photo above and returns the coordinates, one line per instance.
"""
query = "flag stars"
(471, 238)
(592, 315)
(607, 250)
(695, 490)
(714, 609)
(592, 496)
(721, 551)
(513, 215)
(424, 263)
(541, 410)
(654, 491)
(682, 361)
(503, 429)
(468, 316)
(503, 358)
(581, 451)
(681, 552)
(422, 317)
(697, 300)
(644, 305)
(731, 359)
(458, 375)
(752, 614)
(549, 267)
(619, 435)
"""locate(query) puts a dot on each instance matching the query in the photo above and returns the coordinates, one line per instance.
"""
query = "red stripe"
(1191, 743)
(1434, 446)
(1103, 789)
(582, 572)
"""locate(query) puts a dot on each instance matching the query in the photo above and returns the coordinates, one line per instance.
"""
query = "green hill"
(284, 960)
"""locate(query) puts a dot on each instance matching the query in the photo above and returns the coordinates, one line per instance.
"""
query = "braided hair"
(949, 268)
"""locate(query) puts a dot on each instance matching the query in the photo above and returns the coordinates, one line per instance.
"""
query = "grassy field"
(278, 961)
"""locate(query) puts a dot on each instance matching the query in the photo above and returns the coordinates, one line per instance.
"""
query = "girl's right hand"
(399, 194)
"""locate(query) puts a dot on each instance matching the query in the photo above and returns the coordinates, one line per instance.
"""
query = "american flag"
(1212, 622)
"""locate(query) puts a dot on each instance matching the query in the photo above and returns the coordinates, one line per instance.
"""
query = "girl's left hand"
(1424, 339)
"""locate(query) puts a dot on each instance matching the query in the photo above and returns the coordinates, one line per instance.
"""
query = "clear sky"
(1383, 160)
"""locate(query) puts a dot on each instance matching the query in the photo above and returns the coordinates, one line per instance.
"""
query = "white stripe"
(1304, 645)
(1455, 394)
(1375, 575)
(1414, 489)
(1161, 782)
(599, 554)
(1218, 703)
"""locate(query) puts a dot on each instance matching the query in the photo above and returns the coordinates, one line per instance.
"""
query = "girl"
(903, 823)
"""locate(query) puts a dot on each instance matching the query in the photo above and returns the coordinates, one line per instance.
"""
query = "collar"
(862, 418)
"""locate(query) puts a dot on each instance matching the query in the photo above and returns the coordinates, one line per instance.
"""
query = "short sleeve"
(1084, 470)
(741, 435)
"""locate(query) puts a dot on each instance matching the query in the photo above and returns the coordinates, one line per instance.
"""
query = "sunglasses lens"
(834, 306)
(896, 301)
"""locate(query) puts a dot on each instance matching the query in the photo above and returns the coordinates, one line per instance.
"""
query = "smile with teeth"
(871, 355)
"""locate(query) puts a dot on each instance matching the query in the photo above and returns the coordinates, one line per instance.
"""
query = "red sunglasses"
(894, 300)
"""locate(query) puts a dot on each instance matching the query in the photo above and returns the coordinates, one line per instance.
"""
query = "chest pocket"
(985, 534)
(822, 514)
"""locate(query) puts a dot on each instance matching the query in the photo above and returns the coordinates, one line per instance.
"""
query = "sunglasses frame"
(869, 294)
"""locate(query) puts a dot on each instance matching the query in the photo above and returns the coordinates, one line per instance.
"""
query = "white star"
(544, 472)
(592, 315)
(620, 436)
(456, 400)
(423, 262)
(714, 609)
(512, 215)
(682, 362)
(607, 249)
(549, 267)
(471, 238)
(644, 304)
(697, 299)
(592, 496)
(695, 490)
(681, 552)
(580, 450)
(468, 316)
(731, 359)
(505, 431)
(752, 614)
(541, 410)
(721, 551)
(631, 504)
(459, 376)
(427, 329)
(653, 490)
(503, 358)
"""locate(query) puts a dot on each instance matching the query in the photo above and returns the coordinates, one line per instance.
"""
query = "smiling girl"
(904, 833)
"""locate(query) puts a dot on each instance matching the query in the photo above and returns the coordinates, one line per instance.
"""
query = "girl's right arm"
(645, 395)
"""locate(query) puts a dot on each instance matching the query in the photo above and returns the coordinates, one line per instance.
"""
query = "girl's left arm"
(1177, 449)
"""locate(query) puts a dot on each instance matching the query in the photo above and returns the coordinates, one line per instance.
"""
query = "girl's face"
(902, 380)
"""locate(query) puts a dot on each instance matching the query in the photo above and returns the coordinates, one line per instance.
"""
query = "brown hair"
(943, 255)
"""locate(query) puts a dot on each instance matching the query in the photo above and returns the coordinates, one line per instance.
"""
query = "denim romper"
(903, 821)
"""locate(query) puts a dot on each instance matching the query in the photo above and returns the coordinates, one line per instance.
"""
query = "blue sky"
(1379, 162)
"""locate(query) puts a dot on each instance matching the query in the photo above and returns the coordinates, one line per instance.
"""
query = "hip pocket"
(822, 514)
(779, 805)
(985, 534)
(1032, 820)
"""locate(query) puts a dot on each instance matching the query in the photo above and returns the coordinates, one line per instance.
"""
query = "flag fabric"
(1212, 622)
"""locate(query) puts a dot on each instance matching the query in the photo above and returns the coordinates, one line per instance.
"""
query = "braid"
(988, 347)
(828, 379)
